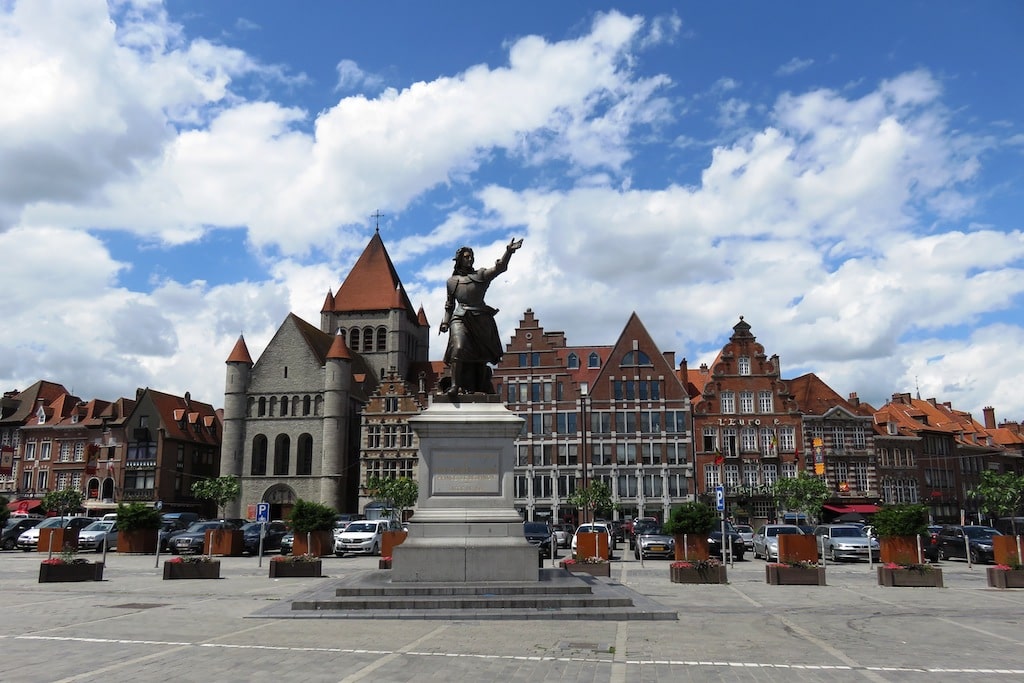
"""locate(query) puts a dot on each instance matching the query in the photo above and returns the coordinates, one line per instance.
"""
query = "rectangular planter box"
(794, 576)
(61, 538)
(139, 541)
(390, 539)
(384, 563)
(910, 578)
(191, 570)
(691, 547)
(227, 542)
(56, 573)
(280, 570)
(592, 545)
(1001, 578)
(320, 543)
(798, 548)
(691, 575)
(592, 569)
(1004, 549)
(899, 550)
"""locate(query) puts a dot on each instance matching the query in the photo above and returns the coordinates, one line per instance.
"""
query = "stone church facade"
(292, 418)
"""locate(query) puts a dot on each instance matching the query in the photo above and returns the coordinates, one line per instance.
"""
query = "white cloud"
(793, 66)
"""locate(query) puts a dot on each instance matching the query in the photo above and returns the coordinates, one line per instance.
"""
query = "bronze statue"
(472, 334)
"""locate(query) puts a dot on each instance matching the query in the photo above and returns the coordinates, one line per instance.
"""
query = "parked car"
(98, 535)
(593, 527)
(746, 532)
(651, 544)
(844, 542)
(363, 537)
(193, 539)
(766, 539)
(640, 526)
(287, 541)
(181, 519)
(169, 528)
(539, 534)
(29, 539)
(563, 534)
(954, 541)
(732, 540)
(275, 531)
(14, 527)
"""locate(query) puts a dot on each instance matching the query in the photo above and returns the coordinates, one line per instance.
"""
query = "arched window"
(273, 406)
(284, 406)
(318, 405)
(306, 405)
(249, 405)
(593, 360)
(573, 361)
(368, 339)
(295, 406)
(634, 358)
(263, 407)
(259, 456)
(304, 463)
(382, 339)
(353, 343)
(282, 456)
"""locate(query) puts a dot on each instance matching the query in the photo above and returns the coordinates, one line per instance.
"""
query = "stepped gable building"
(292, 418)
(749, 430)
(17, 408)
(617, 414)
(843, 439)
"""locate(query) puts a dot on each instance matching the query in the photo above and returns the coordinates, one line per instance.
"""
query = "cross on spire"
(377, 216)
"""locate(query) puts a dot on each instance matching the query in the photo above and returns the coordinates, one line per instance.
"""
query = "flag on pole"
(719, 458)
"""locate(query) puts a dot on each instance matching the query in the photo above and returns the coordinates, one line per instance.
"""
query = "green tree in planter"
(63, 502)
(691, 518)
(902, 519)
(802, 493)
(221, 491)
(1002, 495)
(399, 493)
(596, 496)
(308, 516)
(137, 517)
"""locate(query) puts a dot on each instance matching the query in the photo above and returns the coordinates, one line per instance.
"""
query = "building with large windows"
(617, 414)
(748, 427)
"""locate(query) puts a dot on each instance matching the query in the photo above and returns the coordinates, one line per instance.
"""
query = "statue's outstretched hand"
(514, 245)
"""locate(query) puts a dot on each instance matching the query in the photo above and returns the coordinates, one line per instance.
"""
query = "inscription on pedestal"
(465, 474)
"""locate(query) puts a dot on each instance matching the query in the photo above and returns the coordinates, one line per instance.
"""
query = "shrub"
(309, 516)
(902, 519)
(137, 516)
(691, 518)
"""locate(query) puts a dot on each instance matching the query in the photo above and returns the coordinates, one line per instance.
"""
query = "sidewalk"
(135, 626)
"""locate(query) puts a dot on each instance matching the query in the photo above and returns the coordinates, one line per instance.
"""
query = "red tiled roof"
(372, 284)
(339, 349)
(240, 353)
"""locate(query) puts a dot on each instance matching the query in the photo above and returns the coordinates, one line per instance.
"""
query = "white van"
(110, 517)
(363, 537)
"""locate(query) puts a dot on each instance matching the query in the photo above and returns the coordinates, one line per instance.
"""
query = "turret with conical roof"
(236, 385)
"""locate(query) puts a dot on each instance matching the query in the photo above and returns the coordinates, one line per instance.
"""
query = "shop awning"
(24, 505)
(859, 509)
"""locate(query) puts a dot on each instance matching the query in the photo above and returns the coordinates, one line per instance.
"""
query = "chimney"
(990, 417)
(853, 398)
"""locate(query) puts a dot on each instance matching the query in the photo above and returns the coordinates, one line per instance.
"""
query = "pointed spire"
(328, 303)
(421, 317)
(339, 349)
(240, 354)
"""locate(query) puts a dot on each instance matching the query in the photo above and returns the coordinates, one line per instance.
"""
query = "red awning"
(24, 505)
(861, 509)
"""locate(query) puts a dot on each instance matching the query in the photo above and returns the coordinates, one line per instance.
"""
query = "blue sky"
(847, 177)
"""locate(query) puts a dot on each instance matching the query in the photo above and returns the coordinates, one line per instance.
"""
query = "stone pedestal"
(465, 527)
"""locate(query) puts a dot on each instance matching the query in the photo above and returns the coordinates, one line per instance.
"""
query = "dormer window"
(743, 363)
(593, 361)
(41, 416)
(573, 361)
(891, 428)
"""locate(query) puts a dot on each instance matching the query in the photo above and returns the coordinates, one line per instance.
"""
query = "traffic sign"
(720, 498)
(262, 512)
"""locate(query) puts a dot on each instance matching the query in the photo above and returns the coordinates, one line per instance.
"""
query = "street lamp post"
(584, 399)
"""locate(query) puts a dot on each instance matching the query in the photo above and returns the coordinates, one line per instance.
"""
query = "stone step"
(546, 601)
(480, 589)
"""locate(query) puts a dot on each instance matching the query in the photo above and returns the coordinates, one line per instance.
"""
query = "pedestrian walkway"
(134, 626)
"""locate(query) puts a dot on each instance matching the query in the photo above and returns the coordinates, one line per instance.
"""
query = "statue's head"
(464, 259)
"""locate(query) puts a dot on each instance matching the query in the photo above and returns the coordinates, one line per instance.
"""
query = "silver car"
(766, 540)
(98, 535)
(845, 542)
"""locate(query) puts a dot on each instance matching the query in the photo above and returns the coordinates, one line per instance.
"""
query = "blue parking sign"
(720, 498)
(262, 512)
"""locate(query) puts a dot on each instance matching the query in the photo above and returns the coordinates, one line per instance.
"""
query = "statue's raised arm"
(472, 333)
